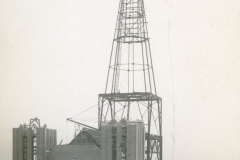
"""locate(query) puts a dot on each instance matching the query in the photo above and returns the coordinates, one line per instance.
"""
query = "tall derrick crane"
(130, 90)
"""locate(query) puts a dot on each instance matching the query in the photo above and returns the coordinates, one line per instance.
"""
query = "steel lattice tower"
(130, 88)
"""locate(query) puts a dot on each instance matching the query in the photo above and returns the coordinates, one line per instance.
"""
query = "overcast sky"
(54, 58)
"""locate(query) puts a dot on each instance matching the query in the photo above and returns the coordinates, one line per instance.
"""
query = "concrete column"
(52, 137)
(15, 143)
(103, 142)
(109, 143)
(20, 143)
(139, 142)
(41, 143)
(128, 142)
(55, 138)
(135, 141)
(119, 142)
(131, 142)
(48, 139)
(29, 144)
(142, 140)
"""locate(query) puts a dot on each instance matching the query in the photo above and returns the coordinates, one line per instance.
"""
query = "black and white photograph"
(119, 80)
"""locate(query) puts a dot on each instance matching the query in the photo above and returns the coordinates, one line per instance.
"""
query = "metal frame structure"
(131, 53)
(34, 122)
(146, 107)
(131, 58)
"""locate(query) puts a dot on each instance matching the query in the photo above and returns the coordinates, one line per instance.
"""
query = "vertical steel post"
(128, 110)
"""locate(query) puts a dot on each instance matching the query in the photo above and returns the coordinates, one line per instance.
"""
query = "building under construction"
(31, 142)
(129, 110)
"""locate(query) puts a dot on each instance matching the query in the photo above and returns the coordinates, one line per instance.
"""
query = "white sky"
(54, 57)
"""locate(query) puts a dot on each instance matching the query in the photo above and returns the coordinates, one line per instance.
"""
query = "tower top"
(130, 67)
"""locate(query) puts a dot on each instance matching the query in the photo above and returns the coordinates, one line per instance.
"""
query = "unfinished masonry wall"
(32, 142)
(122, 140)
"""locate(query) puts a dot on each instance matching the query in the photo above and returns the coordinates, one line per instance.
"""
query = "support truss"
(143, 106)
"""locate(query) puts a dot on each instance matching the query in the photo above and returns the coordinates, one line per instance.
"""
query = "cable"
(173, 88)
(84, 111)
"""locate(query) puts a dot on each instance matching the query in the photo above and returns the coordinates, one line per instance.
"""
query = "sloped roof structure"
(87, 136)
